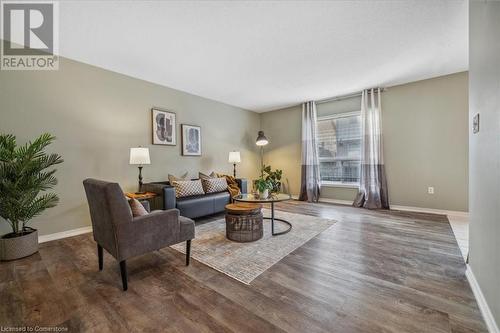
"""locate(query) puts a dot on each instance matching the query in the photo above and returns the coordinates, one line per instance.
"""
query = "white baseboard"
(64, 234)
(481, 301)
(328, 200)
(403, 208)
(431, 211)
(336, 201)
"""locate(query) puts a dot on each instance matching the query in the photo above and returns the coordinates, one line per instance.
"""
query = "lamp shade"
(139, 156)
(261, 139)
(234, 157)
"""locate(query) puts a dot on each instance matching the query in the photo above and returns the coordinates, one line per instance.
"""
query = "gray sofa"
(125, 236)
(195, 206)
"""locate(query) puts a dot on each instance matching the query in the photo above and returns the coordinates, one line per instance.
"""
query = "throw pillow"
(187, 188)
(232, 184)
(201, 175)
(214, 185)
(137, 208)
(172, 178)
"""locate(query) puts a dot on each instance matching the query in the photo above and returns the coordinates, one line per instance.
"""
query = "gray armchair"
(124, 236)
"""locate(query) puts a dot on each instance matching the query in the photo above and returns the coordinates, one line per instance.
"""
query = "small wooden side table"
(142, 196)
(244, 222)
(153, 199)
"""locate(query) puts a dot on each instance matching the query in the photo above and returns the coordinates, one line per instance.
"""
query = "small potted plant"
(273, 177)
(263, 186)
(25, 172)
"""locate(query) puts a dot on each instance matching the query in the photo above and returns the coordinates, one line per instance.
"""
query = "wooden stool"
(244, 222)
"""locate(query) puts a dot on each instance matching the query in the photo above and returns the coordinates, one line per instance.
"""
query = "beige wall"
(283, 129)
(484, 160)
(97, 115)
(425, 142)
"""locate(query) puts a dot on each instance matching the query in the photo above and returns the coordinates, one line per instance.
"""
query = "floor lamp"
(261, 142)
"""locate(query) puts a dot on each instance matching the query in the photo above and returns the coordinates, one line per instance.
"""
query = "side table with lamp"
(139, 156)
(234, 158)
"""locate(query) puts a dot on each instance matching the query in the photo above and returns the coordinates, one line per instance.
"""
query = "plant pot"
(17, 247)
(264, 194)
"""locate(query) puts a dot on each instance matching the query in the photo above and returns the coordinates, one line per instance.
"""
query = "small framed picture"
(164, 127)
(475, 124)
(191, 140)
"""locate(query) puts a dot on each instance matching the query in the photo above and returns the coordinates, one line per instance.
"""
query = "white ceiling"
(266, 55)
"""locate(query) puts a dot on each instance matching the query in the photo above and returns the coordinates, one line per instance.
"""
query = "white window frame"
(337, 116)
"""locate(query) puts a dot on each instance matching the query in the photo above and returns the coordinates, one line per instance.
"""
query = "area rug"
(245, 261)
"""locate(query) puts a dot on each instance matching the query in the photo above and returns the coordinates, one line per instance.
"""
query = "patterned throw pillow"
(187, 188)
(172, 178)
(137, 208)
(201, 175)
(214, 185)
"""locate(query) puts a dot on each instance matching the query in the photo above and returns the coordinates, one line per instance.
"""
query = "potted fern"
(25, 173)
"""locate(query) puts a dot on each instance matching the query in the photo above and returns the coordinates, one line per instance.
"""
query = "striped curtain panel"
(310, 179)
(373, 183)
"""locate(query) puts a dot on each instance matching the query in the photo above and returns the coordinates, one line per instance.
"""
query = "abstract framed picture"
(475, 124)
(191, 140)
(164, 127)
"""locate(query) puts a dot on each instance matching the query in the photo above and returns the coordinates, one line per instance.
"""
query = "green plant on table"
(262, 184)
(273, 177)
(25, 172)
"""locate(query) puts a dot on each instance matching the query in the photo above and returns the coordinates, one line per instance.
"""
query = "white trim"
(64, 234)
(336, 201)
(431, 210)
(340, 115)
(481, 301)
(449, 213)
(328, 200)
(339, 184)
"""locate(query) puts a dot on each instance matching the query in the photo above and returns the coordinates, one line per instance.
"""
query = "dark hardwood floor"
(371, 272)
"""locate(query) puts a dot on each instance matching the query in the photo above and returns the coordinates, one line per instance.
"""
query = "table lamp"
(139, 156)
(234, 157)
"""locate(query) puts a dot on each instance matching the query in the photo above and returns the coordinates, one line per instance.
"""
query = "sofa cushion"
(214, 185)
(187, 188)
(203, 205)
(220, 201)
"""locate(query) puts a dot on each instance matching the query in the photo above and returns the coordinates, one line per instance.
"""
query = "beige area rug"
(245, 261)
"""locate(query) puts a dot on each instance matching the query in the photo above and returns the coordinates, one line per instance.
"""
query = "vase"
(17, 247)
(264, 194)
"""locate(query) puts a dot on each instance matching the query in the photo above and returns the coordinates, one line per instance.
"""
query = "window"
(339, 148)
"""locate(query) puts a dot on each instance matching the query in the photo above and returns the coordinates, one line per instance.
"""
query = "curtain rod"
(331, 99)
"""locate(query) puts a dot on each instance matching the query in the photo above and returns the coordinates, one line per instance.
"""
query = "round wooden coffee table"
(273, 198)
(244, 222)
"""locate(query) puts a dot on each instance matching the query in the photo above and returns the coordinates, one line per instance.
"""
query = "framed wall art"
(191, 140)
(164, 127)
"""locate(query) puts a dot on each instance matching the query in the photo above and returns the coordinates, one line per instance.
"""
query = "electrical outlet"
(430, 190)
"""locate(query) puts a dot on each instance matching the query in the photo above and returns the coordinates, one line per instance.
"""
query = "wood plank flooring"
(370, 272)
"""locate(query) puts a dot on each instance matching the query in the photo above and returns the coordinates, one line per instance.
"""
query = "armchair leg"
(100, 256)
(188, 251)
(123, 271)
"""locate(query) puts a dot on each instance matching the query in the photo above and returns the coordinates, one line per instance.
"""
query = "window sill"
(343, 185)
